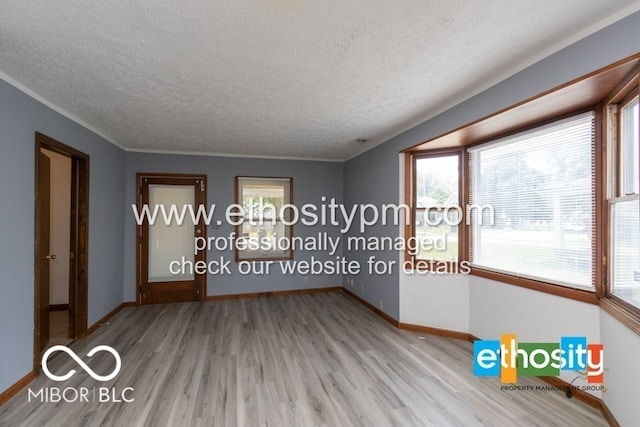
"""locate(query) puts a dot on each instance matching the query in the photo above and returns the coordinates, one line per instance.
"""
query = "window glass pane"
(437, 234)
(436, 228)
(630, 157)
(626, 250)
(264, 239)
(625, 212)
(264, 234)
(539, 187)
(437, 181)
(262, 201)
(170, 242)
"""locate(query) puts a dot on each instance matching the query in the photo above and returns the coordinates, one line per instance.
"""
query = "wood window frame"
(238, 228)
(589, 92)
(411, 197)
(627, 90)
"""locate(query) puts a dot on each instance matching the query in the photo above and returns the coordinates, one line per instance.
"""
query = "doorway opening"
(61, 243)
(59, 246)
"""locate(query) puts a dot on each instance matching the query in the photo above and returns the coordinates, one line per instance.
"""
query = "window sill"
(622, 313)
(562, 291)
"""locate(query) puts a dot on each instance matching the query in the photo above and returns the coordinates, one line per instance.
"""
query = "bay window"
(549, 189)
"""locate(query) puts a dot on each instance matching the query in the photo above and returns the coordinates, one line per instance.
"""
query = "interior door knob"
(49, 257)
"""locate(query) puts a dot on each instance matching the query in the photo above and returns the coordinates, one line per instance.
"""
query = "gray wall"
(20, 117)
(374, 175)
(311, 181)
(373, 178)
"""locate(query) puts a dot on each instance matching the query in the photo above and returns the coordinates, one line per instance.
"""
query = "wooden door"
(43, 257)
(166, 248)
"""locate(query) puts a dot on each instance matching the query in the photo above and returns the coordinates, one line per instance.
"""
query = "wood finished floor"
(319, 359)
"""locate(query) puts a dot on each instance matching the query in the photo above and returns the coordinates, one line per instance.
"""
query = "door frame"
(79, 241)
(142, 231)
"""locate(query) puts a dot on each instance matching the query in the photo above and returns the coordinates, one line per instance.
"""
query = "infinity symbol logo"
(88, 370)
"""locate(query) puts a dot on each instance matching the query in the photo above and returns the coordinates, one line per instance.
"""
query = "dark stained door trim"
(79, 242)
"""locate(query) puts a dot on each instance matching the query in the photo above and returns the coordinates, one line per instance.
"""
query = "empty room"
(298, 213)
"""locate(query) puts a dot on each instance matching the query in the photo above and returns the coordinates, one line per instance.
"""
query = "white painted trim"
(243, 156)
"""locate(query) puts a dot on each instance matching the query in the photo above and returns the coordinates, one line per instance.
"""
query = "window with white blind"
(624, 203)
(540, 184)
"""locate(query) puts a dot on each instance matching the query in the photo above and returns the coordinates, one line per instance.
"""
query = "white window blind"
(540, 186)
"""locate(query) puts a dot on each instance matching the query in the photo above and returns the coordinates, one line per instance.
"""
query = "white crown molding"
(241, 156)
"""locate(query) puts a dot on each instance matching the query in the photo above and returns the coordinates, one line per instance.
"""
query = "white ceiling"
(280, 78)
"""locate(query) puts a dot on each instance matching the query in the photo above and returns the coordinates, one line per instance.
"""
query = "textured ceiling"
(281, 78)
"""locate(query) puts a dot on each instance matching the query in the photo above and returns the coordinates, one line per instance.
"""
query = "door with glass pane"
(166, 235)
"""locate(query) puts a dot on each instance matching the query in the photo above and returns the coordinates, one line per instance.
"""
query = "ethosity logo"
(508, 358)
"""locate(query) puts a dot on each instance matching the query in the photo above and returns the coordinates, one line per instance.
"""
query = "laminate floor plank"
(315, 359)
